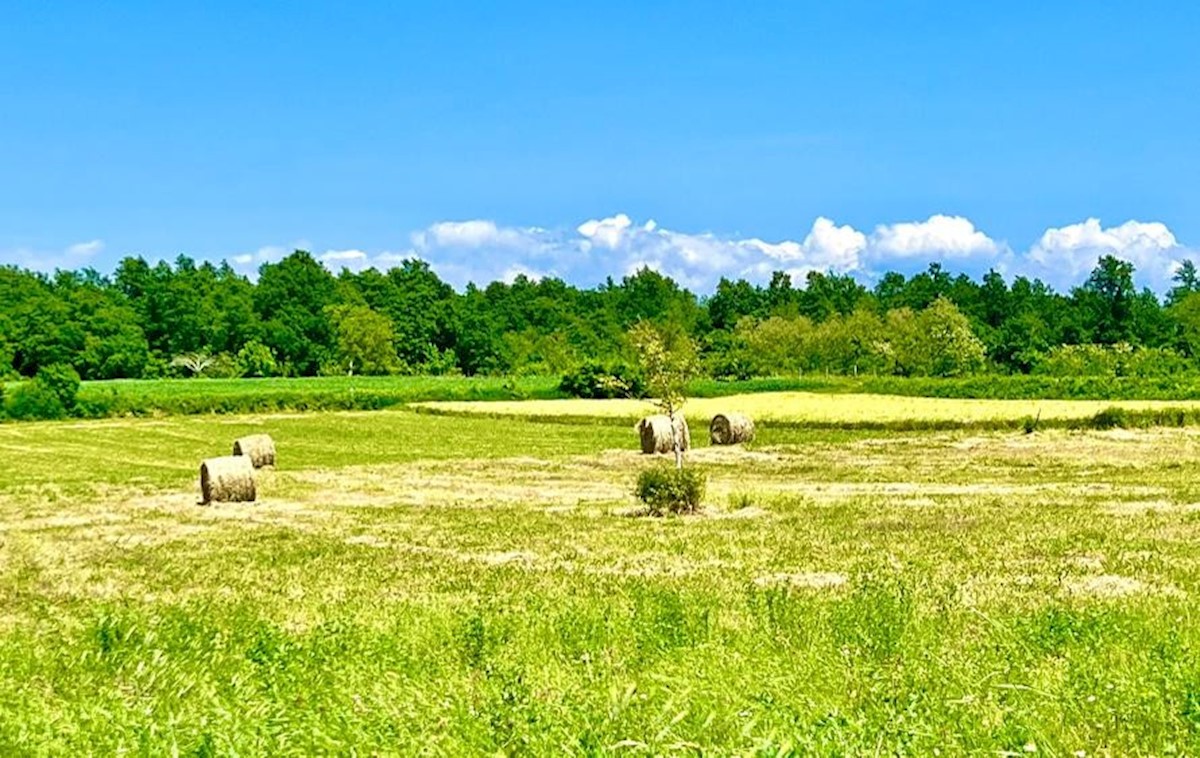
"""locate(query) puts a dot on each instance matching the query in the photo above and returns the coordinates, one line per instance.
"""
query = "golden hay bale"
(655, 432)
(229, 479)
(259, 448)
(731, 428)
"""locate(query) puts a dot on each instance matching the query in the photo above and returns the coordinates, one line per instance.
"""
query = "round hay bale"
(731, 428)
(655, 433)
(229, 479)
(259, 448)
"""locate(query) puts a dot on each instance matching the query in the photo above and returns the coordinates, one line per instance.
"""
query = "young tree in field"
(255, 359)
(365, 340)
(669, 361)
(951, 348)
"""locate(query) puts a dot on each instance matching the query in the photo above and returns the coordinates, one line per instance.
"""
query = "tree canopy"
(298, 318)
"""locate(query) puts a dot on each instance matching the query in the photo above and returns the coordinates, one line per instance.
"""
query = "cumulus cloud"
(473, 234)
(1065, 255)
(608, 232)
(483, 251)
(952, 237)
(617, 245)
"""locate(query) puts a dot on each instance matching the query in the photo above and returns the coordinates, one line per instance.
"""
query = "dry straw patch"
(816, 407)
(1115, 586)
(819, 580)
(457, 483)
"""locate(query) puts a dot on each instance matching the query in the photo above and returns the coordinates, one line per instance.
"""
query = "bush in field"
(223, 366)
(33, 400)
(670, 490)
(1119, 360)
(51, 394)
(598, 382)
(1111, 418)
(62, 381)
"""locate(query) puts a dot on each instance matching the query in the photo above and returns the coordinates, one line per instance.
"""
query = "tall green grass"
(984, 387)
(226, 396)
(146, 625)
(191, 396)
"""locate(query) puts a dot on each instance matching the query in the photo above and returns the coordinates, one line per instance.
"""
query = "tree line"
(299, 319)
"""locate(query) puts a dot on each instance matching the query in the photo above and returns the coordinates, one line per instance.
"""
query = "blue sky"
(585, 140)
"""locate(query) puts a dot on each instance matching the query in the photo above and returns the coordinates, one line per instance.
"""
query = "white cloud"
(85, 250)
(939, 236)
(470, 234)
(248, 263)
(609, 232)
(512, 272)
(1065, 255)
(483, 251)
(831, 246)
(336, 260)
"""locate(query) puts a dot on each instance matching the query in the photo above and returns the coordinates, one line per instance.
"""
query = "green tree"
(365, 340)
(826, 295)
(732, 301)
(853, 344)
(669, 361)
(1106, 301)
(778, 346)
(1185, 315)
(937, 341)
(950, 347)
(1187, 282)
(256, 360)
(291, 299)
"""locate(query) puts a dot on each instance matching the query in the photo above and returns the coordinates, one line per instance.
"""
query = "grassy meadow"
(411, 583)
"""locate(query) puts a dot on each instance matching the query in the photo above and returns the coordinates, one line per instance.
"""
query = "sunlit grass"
(412, 584)
(822, 409)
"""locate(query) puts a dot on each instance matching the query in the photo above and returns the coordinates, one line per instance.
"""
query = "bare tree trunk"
(676, 443)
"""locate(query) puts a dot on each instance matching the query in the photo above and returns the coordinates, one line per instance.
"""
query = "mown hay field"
(820, 409)
(410, 583)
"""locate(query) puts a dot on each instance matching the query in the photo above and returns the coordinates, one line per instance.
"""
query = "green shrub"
(670, 490)
(594, 381)
(1111, 418)
(34, 400)
(63, 381)
(256, 359)
(223, 366)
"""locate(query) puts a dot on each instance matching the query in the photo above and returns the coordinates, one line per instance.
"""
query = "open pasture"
(412, 583)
